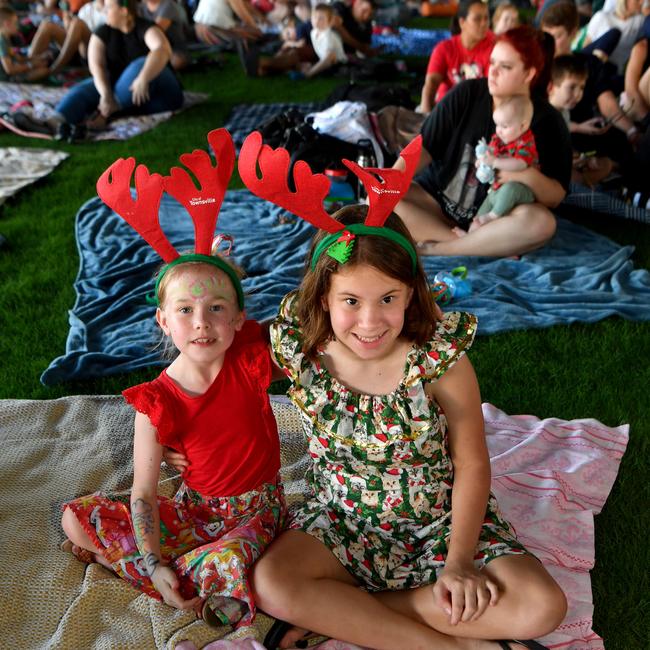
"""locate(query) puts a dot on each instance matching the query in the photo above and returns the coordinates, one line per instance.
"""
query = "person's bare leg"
(424, 217)
(46, 33)
(79, 537)
(76, 41)
(210, 35)
(526, 228)
(530, 604)
(300, 581)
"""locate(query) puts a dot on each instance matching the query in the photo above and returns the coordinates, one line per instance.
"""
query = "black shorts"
(457, 213)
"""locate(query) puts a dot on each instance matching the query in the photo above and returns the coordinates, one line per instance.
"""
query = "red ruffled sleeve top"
(228, 434)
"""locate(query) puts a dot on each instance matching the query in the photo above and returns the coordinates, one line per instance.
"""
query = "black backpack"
(375, 96)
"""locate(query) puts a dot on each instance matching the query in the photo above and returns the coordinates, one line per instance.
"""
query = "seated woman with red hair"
(445, 195)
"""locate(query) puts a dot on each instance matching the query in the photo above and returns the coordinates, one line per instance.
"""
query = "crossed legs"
(526, 228)
(79, 537)
(299, 580)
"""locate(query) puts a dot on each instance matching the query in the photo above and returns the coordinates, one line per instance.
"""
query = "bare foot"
(426, 247)
(97, 122)
(459, 232)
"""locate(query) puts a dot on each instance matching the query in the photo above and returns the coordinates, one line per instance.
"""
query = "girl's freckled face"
(201, 313)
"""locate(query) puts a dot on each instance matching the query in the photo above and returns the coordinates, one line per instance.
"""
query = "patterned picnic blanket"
(587, 198)
(45, 98)
(21, 166)
(548, 475)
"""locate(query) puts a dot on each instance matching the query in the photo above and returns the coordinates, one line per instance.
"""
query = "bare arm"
(97, 66)
(610, 109)
(431, 83)
(244, 12)
(508, 163)
(160, 52)
(322, 64)
(547, 191)
(12, 65)
(457, 392)
(147, 454)
(99, 71)
(633, 72)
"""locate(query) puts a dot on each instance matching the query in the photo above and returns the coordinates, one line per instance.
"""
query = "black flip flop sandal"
(276, 634)
(531, 644)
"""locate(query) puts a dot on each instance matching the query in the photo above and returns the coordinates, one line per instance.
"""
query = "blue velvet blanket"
(579, 276)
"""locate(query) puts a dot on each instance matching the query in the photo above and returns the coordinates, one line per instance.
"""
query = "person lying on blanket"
(399, 544)
(195, 550)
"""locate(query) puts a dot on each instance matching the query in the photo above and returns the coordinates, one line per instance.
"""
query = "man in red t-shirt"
(464, 56)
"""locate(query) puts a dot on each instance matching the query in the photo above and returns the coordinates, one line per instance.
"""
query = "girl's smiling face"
(200, 312)
(366, 309)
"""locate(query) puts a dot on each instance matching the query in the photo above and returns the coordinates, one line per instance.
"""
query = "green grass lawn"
(577, 371)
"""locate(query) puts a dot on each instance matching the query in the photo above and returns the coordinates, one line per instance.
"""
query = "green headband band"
(152, 298)
(339, 244)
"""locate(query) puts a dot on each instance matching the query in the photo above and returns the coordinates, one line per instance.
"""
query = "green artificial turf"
(579, 371)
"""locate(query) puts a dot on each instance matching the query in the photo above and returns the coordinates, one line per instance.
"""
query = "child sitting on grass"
(325, 40)
(301, 55)
(512, 148)
(568, 79)
(15, 66)
(296, 49)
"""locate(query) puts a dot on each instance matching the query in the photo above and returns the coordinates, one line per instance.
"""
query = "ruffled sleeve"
(253, 357)
(151, 399)
(286, 339)
(454, 335)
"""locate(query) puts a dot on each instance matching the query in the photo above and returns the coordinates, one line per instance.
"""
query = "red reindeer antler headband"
(311, 189)
(203, 205)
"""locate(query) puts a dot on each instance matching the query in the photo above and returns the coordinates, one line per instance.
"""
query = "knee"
(540, 222)
(542, 610)
(273, 590)
(70, 524)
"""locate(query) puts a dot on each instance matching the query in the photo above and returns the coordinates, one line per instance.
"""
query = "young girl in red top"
(195, 550)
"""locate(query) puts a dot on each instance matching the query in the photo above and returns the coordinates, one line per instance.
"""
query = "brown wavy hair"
(382, 254)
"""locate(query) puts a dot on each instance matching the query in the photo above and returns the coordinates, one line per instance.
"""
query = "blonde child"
(195, 550)
(512, 148)
(505, 17)
(400, 544)
(15, 66)
(325, 40)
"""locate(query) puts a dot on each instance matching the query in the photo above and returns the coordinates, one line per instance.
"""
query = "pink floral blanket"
(550, 477)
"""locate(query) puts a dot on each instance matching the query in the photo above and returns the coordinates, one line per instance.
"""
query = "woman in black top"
(128, 59)
(445, 195)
